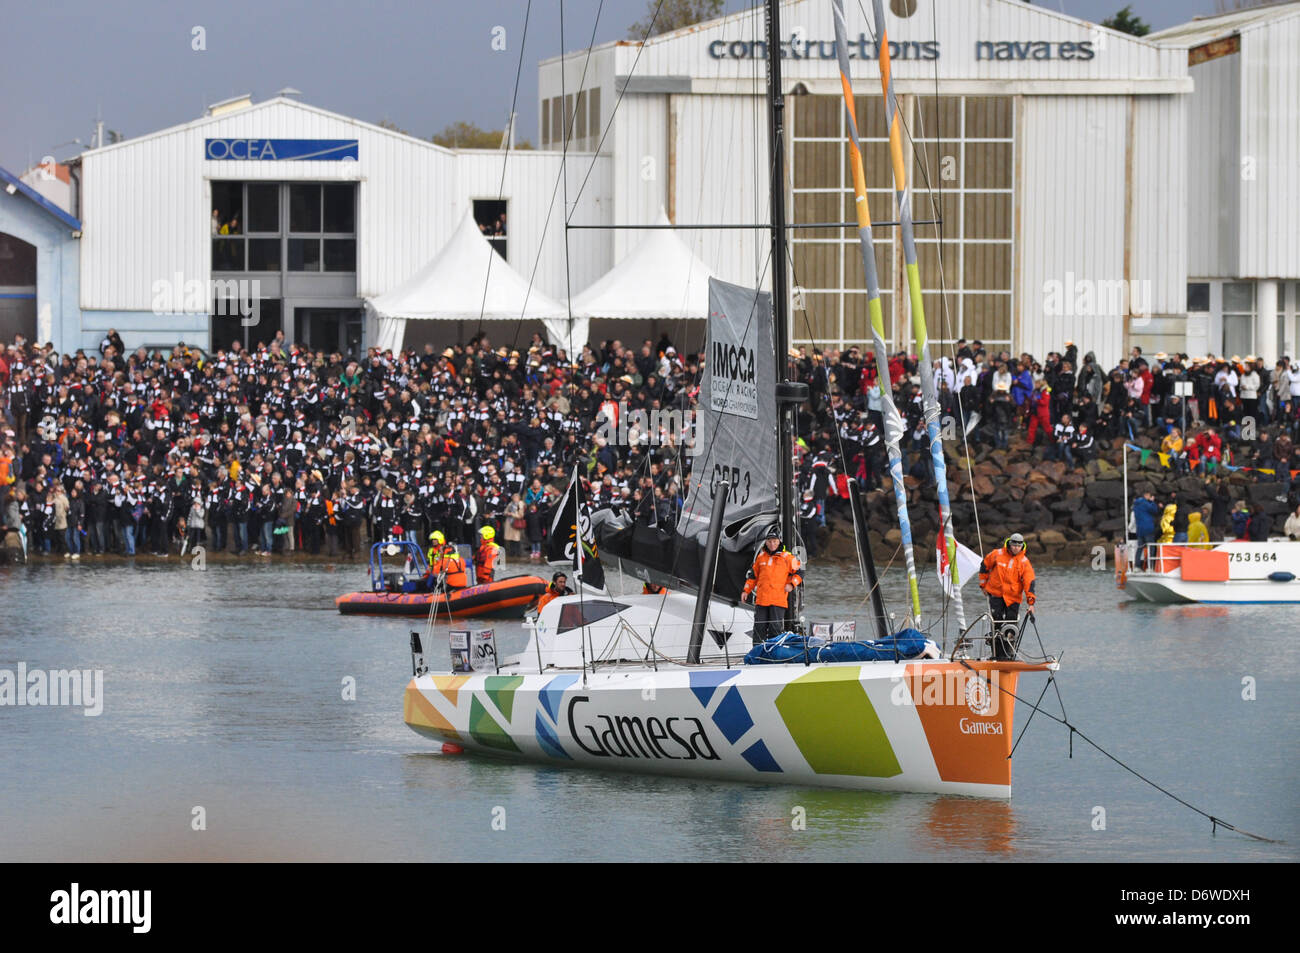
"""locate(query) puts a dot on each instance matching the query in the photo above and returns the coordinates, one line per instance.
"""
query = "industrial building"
(1073, 183)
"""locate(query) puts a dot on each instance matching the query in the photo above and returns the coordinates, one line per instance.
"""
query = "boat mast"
(780, 291)
(929, 392)
(893, 422)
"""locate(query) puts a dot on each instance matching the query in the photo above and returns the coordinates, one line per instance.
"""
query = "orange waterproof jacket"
(450, 563)
(769, 575)
(485, 561)
(551, 593)
(1010, 577)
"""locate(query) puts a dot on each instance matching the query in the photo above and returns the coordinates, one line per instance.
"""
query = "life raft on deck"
(502, 598)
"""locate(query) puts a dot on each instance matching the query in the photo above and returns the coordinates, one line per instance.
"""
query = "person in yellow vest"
(445, 563)
(486, 556)
(1006, 576)
(772, 578)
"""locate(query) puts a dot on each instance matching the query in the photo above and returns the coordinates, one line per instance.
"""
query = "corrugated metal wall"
(641, 181)
(1270, 136)
(722, 177)
(1161, 159)
(1214, 169)
(1071, 198)
(535, 242)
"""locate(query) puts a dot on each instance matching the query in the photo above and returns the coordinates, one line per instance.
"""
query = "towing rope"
(1215, 821)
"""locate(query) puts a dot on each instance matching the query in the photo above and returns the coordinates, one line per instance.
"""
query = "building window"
(304, 208)
(1238, 318)
(490, 216)
(1198, 296)
(961, 172)
(269, 227)
(263, 213)
(229, 324)
(593, 117)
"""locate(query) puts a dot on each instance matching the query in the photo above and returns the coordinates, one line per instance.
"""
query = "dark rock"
(1104, 490)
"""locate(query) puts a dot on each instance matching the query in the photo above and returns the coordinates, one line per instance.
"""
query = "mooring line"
(1215, 821)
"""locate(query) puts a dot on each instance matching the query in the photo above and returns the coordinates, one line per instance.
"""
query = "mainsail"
(733, 441)
(893, 422)
(929, 393)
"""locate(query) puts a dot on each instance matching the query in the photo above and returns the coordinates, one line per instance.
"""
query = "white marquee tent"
(659, 279)
(451, 288)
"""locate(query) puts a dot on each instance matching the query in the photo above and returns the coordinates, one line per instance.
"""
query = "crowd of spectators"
(281, 448)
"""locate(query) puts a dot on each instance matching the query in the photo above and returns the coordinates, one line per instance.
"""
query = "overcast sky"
(420, 63)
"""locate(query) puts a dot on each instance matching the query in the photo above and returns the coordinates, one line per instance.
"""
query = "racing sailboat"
(672, 682)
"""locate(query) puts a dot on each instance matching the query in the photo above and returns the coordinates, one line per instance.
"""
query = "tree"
(673, 15)
(391, 126)
(467, 135)
(1126, 22)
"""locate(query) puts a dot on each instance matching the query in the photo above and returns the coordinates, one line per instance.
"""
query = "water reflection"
(223, 688)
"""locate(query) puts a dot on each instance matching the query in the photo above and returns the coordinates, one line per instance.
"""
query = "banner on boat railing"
(736, 425)
(460, 657)
(836, 631)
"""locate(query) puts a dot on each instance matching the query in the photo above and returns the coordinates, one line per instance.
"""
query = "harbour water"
(224, 704)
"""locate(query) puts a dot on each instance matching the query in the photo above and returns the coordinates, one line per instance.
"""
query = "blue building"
(39, 267)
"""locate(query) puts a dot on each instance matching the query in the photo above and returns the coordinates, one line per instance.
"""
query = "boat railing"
(1165, 557)
(978, 641)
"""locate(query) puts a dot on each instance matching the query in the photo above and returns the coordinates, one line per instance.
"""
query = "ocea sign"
(280, 150)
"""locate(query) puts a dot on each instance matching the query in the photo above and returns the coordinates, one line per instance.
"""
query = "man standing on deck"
(772, 578)
(1007, 577)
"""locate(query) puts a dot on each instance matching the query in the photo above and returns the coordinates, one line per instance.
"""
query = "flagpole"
(946, 544)
(893, 422)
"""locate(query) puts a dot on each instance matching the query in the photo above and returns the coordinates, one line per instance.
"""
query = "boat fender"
(449, 748)
(1281, 576)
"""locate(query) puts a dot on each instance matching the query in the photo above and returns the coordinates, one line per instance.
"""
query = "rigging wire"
(571, 122)
(936, 216)
(621, 93)
(1063, 719)
(505, 158)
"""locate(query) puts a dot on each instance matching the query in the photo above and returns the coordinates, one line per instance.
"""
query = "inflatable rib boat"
(394, 591)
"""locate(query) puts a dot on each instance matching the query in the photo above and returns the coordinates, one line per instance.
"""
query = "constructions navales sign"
(865, 48)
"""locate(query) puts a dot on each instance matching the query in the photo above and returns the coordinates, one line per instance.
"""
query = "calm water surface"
(223, 690)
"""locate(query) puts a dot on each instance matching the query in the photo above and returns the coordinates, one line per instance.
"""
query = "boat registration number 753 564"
(1255, 557)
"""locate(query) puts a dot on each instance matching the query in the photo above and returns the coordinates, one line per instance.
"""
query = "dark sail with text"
(734, 442)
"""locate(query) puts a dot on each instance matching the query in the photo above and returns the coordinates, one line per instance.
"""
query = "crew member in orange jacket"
(772, 578)
(1007, 577)
(486, 556)
(445, 562)
(558, 587)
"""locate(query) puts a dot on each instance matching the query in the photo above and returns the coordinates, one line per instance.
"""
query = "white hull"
(1247, 573)
(926, 725)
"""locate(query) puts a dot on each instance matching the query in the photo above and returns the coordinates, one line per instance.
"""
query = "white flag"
(968, 566)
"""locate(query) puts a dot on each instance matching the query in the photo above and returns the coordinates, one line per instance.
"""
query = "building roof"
(20, 187)
(224, 116)
(789, 7)
(1208, 28)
